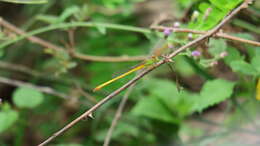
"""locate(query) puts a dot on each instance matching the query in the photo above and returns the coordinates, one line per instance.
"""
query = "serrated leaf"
(7, 119)
(225, 5)
(213, 92)
(177, 101)
(26, 1)
(218, 10)
(154, 109)
(26, 97)
(243, 67)
(207, 22)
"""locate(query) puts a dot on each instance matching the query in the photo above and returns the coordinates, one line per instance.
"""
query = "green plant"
(75, 45)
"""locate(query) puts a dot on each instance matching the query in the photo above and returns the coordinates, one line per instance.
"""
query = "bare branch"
(18, 68)
(219, 34)
(47, 44)
(47, 90)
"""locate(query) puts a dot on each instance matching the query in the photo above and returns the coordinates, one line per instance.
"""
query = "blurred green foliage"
(26, 1)
(157, 111)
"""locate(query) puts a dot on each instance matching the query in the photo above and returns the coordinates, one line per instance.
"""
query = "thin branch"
(72, 25)
(33, 39)
(117, 116)
(46, 90)
(19, 68)
(107, 58)
(75, 54)
(219, 34)
(138, 77)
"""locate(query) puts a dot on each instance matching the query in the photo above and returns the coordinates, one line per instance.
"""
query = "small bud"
(0, 101)
(223, 54)
(176, 24)
(195, 53)
(190, 36)
(207, 13)
(167, 31)
(195, 15)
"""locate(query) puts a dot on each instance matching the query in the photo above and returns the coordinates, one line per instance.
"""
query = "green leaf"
(26, 1)
(154, 109)
(102, 29)
(48, 19)
(2, 52)
(256, 62)
(212, 92)
(206, 23)
(218, 10)
(26, 97)
(7, 119)
(243, 67)
(233, 55)
(112, 4)
(51, 19)
(225, 5)
(121, 130)
(68, 12)
(183, 67)
(177, 101)
(216, 46)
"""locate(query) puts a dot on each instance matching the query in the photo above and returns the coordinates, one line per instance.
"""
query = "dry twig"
(47, 90)
(47, 44)
(19, 68)
(219, 34)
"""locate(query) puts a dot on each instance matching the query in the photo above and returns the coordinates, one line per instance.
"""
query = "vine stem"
(138, 77)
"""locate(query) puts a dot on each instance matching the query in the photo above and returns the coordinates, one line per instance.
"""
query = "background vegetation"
(207, 99)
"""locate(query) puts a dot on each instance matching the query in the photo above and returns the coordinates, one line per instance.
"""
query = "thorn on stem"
(87, 117)
(91, 116)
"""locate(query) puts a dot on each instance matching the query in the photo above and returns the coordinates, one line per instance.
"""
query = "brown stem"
(219, 34)
(47, 44)
(47, 90)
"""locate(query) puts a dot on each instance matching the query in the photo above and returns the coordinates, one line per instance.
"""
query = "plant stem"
(75, 24)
